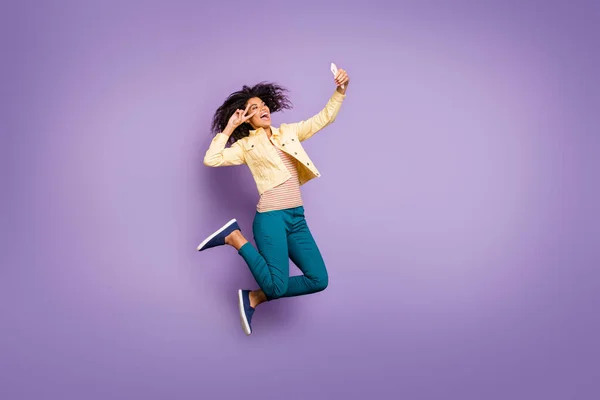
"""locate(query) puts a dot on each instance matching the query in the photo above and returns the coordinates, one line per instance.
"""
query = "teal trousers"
(280, 236)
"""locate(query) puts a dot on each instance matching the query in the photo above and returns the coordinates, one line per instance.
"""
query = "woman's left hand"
(341, 79)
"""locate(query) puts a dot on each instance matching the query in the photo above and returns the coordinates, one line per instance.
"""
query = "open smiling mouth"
(264, 116)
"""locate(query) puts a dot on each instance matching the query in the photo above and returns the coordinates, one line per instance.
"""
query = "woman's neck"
(267, 130)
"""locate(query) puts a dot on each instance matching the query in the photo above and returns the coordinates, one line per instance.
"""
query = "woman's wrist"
(228, 130)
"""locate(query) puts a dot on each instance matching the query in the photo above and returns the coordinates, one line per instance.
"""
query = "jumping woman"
(279, 165)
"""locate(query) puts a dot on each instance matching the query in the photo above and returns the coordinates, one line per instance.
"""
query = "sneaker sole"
(243, 320)
(208, 239)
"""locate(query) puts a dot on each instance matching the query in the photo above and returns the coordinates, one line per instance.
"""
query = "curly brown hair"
(272, 94)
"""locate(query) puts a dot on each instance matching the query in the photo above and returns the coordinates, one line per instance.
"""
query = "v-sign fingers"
(246, 118)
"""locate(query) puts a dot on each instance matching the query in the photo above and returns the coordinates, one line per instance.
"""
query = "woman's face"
(262, 118)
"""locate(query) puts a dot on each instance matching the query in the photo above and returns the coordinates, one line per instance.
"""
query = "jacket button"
(307, 163)
(252, 146)
(295, 153)
(283, 144)
(292, 140)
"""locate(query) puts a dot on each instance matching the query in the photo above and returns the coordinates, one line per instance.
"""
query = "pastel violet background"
(457, 209)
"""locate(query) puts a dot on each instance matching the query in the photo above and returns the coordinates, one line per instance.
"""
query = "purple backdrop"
(457, 209)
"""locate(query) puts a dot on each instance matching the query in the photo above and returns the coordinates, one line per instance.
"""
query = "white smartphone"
(334, 71)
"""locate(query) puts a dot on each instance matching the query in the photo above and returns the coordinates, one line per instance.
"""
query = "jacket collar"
(274, 131)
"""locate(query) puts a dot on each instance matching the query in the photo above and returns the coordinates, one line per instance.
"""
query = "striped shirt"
(286, 195)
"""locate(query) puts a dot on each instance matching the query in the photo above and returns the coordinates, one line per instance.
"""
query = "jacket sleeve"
(219, 156)
(307, 128)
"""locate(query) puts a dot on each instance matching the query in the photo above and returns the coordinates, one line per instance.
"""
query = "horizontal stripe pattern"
(286, 195)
